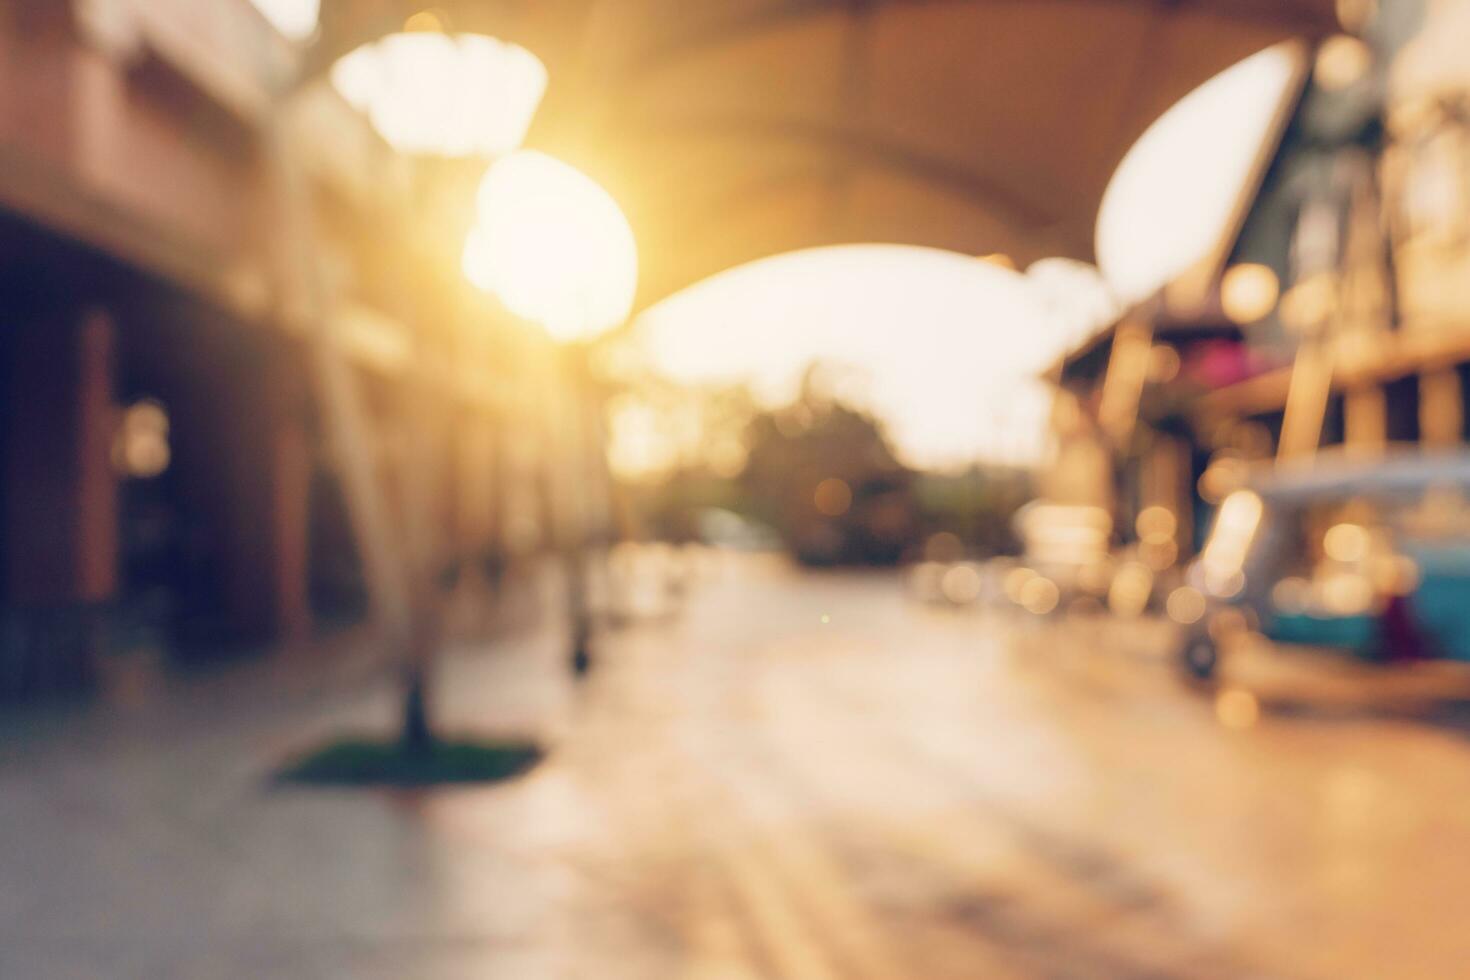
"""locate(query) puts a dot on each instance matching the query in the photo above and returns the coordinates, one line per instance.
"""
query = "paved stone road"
(802, 777)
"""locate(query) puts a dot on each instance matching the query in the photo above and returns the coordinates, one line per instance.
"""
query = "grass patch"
(374, 762)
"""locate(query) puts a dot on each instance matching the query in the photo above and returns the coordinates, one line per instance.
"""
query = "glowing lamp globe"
(1248, 292)
(553, 246)
(451, 95)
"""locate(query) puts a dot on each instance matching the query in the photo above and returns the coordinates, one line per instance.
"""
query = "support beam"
(1441, 408)
(1365, 420)
(267, 463)
(60, 514)
(59, 533)
(1117, 413)
(1306, 400)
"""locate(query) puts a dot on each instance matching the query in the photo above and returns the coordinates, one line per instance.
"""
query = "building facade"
(237, 348)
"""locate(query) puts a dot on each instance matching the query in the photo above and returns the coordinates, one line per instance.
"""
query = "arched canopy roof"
(735, 129)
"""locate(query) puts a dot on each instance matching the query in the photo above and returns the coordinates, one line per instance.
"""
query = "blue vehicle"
(1369, 554)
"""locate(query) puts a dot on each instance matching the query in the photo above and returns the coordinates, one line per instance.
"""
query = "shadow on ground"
(395, 763)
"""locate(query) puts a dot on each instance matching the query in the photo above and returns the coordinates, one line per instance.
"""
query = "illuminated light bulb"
(1040, 595)
(1156, 524)
(553, 246)
(439, 94)
(1342, 61)
(832, 498)
(141, 447)
(1346, 542)
(1015, 582)
(1248, 292)
(961, 584)
(1347, 594)
(1185, 605)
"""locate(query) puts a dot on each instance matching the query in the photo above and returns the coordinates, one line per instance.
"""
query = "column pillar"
(1441, 408)
(267, 469)
(60, 510)
(1365, 419)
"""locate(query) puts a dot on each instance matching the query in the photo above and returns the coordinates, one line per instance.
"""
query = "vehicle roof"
(1338, 474)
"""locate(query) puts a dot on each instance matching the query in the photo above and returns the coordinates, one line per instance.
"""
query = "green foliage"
(790, 451)
(976, 505)
(794, 449)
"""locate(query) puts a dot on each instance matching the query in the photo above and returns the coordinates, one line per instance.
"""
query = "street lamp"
(428, 93)
(432, 96)
(553, 246)
(556, 249)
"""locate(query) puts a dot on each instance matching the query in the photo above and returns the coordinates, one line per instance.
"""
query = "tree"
(822, 473)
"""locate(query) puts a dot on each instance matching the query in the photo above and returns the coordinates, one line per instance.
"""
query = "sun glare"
(949, 345)
(553, 246)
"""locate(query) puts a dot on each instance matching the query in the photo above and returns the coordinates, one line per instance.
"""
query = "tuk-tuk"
(1364, 553)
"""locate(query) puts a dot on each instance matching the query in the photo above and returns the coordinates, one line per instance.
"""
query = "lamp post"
(557, 250)
(582, 446)
(433, 97)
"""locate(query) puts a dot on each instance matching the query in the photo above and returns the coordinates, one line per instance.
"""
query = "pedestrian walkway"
(804, 776)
